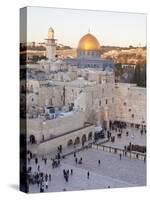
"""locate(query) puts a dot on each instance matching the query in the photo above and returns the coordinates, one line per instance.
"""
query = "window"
(132, 115)
(112, 100)
(102, 90)
(32, 99)
(124, 103)
(106, 101)
(130, 110)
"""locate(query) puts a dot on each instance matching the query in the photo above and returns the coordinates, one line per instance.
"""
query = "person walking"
(76, 160)
(45, 161)
(88, 174)
(38, 168)
(49, 177)
(36, 161)
(99, 162)
(120, 156)
(46, 177)
(46, 184)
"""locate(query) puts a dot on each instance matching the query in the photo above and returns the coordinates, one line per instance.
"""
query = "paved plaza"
(112, 172)
(134, 137)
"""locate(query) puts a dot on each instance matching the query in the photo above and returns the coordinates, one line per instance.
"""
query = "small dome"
(89, 42)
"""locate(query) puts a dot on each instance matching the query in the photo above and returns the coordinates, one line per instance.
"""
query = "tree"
(118, 69)
(140, 75)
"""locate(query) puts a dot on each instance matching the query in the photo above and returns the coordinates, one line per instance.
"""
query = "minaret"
(50, 45)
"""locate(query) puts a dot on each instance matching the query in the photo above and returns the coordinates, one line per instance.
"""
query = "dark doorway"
(32, 139)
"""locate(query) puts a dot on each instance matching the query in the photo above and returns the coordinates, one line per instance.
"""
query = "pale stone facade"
(51, 96)
(130, 103)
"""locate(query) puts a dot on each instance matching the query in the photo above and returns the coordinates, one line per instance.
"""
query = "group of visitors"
(77, 160)
(40, 179)
(67, 173)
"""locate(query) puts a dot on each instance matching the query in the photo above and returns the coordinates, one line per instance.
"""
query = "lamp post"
(43, 124)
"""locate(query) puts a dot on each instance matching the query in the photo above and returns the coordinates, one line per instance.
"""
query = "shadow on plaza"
(14, 186)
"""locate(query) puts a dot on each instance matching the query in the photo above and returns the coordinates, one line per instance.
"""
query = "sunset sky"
(110, 28)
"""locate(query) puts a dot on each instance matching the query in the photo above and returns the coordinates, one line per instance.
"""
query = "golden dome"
(88, 42)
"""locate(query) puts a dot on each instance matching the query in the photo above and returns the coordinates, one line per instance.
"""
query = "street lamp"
(43, 124)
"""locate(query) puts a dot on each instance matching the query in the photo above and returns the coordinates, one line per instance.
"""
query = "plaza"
(112, 172)
(134, 137)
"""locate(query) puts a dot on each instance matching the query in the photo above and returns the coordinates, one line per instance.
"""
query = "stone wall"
(130, 103)
(54, 127)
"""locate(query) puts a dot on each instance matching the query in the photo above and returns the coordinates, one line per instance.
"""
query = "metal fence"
(130, 154)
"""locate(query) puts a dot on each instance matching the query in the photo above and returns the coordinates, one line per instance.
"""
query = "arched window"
(90, 136)
(77, 140)
(83, 139)
(70, 142)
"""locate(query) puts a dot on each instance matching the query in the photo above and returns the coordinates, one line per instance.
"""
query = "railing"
(130, 154)
(76, 150)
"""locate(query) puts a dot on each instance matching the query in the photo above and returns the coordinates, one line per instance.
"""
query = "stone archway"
(70, 142)
(32, 139)
(77, 140)
(83, 139)
(90, 136)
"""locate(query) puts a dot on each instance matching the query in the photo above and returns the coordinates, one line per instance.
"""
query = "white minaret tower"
(50, 45)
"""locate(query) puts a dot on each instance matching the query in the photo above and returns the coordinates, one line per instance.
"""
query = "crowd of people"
(37, 177)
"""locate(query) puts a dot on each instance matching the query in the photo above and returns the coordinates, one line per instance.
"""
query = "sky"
(110, 28)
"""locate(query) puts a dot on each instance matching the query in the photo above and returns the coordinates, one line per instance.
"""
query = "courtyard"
(134, 136)
(111, 173)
